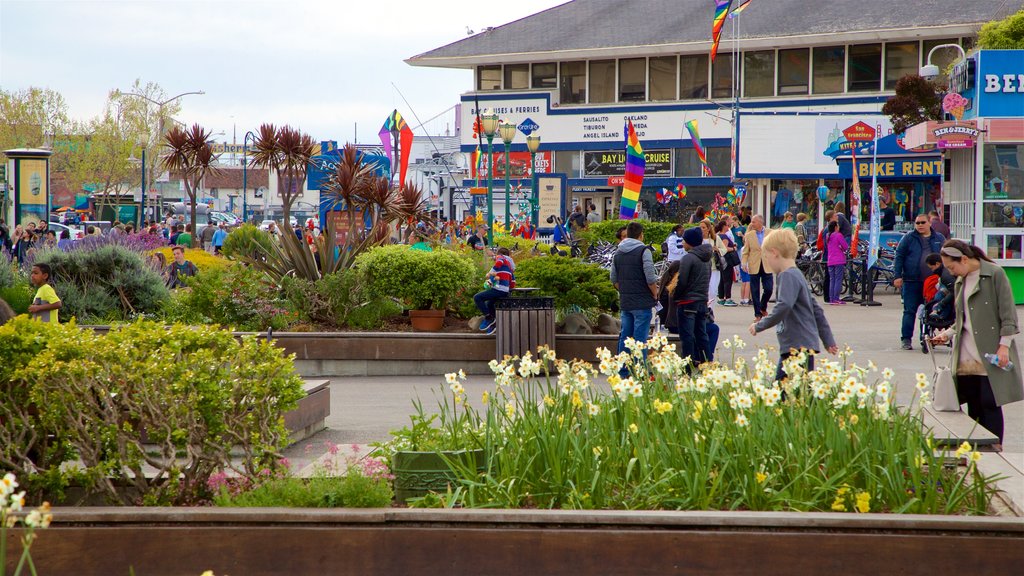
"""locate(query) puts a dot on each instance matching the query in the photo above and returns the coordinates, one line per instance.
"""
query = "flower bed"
(724, 437)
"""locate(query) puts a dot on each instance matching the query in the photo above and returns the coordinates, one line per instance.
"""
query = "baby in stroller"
(937, 312)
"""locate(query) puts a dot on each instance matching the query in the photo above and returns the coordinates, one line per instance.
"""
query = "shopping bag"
(944, 397)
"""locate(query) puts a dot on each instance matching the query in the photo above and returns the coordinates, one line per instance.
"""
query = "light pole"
(931, 71)
(489, 122)
(508, 133)
(533, 144)
(245, 172)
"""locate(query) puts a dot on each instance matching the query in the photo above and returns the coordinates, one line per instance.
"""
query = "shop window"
(488, 78)
(759, 73)
(545, 75)
(602, 81)
(721, 76)
(632, 80)
(829, 69)
(568, 162)
(517, 76)
(662, 78)
(865, 68)
(573, 82)
(901, 59)
(688, 165)
(943, 58)
(1003, 172)
(1005, 247)
(693, 77)
(794, 70)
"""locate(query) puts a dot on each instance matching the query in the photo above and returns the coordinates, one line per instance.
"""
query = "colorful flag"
(635, 165)
(721, 11)
(876, 222)
(664, 196)
(476, 166)
(691, 127)
(396, 128)
(735, 11)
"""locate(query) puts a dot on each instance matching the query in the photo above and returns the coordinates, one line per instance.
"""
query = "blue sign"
(323, 165)
(528, 127)
(998, 90)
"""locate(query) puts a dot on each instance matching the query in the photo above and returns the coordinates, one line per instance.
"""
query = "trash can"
(523, 324)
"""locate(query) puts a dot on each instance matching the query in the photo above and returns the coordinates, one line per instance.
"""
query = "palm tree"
(286, 151)
(189, 153)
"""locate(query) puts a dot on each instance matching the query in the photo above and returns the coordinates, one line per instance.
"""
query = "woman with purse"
(986, 322)
(732, 259)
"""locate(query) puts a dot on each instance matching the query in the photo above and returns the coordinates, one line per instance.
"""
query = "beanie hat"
(693, 236)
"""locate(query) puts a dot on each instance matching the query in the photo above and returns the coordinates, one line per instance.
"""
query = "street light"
(929, 70)
(489, 123)
(533, 144)
(245, 172)
(508, 133)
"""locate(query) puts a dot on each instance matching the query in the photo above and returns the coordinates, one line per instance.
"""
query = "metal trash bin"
(523, 324)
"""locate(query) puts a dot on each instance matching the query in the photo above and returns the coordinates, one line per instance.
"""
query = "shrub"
(243, 241)
(18, 295)
(654, 232)
(572, 282)
(338, 300)
(201, 258)
(109, 283)
(232, 296)
(419, 279)
(207, 401)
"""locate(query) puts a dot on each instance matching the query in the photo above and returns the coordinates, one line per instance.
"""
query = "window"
(759, 73)
(693, 77)
(545, 75)
(633, 80)
(865, 66)
(568, 162)
(720, 160)
(942, 58)
(901, 59)
(829, 69)
(573, 83)
(688, 165)
(721, 76)
(662, 78)
(488, 78)
(602, 81)
(517, 76)
(794, 68)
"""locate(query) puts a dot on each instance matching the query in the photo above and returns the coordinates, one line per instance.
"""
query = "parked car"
(74, 232)
(226, 217)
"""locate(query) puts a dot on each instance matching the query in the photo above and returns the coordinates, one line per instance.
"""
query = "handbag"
(732, 258)
(944, 397)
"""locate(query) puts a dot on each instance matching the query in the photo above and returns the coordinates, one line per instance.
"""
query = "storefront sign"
(528, 127)
(518, 161)
(997, 88)
(859, 132)
(551, 197)
(659, 163)
(915, 168)
(956, 135)
(616, 180)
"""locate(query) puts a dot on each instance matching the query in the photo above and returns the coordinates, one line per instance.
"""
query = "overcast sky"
(322, 65)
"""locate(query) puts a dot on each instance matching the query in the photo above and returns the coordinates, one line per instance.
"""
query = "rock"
(608, 324)
(475, 321)
(576, 324)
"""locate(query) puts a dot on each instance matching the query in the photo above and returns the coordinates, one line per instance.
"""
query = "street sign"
(528, 127)
(478, 190)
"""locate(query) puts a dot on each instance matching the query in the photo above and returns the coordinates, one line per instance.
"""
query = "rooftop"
(615, 28)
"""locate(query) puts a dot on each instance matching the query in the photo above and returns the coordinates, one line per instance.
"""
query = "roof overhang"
(805, 40)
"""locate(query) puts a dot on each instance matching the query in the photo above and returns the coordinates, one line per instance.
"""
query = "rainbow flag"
(735, 11)
(476, 165)
(721, 12)
(691, 127)
(635, 165)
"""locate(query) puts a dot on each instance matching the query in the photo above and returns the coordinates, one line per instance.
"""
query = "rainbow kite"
(691, 127)
(635, 165)
(735, 11)
(476, 165)
(721, 11)
(680, 192)
(396, 129)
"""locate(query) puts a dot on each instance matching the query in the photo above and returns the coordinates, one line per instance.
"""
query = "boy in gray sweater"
(798, 318)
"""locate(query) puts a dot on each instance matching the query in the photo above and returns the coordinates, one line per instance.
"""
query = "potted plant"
(422, 281)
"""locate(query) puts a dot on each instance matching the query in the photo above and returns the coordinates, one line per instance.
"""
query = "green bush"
(18, 295)
(654, 232)
(206, 400)
(9, 275)
(572, 282)
(106, 284)
(421, 280)
(235, 296)
(245, 241)
(349, 491)
(338, 300)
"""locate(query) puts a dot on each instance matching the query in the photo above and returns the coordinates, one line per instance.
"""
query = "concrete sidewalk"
(365, 409)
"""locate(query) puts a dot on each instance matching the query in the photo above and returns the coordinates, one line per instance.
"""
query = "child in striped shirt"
(500, 280)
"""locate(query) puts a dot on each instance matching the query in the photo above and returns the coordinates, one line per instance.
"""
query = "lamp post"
(930, 70)
(489, 123)
(245, 173)
(508, 133)
(533, 144)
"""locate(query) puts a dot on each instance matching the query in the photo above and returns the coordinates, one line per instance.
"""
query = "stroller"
(935, 315)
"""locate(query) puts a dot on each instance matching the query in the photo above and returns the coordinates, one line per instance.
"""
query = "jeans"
(635, 324)
(913, 297)
(759, 300)
(693, 333)
(485, 301)
(713, 330)
(835, 281)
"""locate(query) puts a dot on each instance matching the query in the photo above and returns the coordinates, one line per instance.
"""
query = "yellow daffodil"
(964, 448)
(633, 429)
(863, 502)
(761, 477)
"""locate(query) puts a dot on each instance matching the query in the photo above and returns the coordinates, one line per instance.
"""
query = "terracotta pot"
(427, 320)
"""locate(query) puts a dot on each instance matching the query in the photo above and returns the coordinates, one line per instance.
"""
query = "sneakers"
(721, 302)
(837, 303)
(744, 302)
(907, 345)
(491, 328)
(728, 303)
(486, 325)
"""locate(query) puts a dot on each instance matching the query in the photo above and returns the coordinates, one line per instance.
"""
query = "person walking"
(837, 248)
(691, 296)
(738, 231)
(886, 216)
(761, 283)
(731, 256)
(206, 237)
(910, 271)
(801, 232)
(986, 363)
(938, 225)
(219, 237)
(633, 275)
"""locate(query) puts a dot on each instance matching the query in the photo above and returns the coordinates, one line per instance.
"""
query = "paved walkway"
(364, 410)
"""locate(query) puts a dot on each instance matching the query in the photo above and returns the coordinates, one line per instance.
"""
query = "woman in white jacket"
(719, 246)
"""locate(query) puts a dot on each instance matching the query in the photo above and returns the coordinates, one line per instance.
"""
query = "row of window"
(684, 164)
(763, 73)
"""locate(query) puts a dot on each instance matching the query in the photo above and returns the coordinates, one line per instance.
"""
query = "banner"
(32, 191)
(518, 161)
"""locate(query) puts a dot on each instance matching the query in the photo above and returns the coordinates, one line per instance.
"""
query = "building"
(789, 77)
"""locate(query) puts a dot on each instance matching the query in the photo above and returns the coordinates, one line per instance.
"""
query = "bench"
(952, 429)
(309, 417)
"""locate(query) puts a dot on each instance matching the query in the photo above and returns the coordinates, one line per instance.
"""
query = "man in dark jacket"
(910, 270)
(634, 277)
(691, 296)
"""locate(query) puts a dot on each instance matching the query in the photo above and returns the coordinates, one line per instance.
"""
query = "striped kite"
(691, 127)
(721, 11)
(736, 11)
(395, 129)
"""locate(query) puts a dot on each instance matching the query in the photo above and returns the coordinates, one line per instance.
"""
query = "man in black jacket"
(691, 296)
(910, 270)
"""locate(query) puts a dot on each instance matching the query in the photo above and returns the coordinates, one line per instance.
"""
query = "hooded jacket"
(694, 275)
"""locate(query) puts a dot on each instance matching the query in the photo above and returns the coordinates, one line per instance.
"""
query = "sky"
(327, 67)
